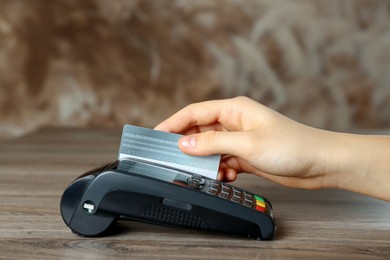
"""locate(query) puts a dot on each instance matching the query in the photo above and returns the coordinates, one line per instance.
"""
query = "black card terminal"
(139, 191)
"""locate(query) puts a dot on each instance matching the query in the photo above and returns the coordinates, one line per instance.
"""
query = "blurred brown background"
(105, 63)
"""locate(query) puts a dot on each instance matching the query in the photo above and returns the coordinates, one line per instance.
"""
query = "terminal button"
(196, 182)
(236, 199)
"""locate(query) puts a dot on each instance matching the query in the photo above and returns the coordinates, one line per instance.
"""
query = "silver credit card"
(161, 148)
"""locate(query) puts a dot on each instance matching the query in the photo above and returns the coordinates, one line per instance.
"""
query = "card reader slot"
(139, 167)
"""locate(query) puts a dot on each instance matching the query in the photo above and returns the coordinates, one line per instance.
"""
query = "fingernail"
(188, 142)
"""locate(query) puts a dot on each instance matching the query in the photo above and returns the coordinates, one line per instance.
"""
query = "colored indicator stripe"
(260, 203)
(259, 198)
(259, 208)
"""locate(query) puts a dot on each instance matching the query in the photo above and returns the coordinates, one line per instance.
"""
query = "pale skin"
(256, 139)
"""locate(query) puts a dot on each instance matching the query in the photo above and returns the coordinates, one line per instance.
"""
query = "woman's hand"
(255, 139)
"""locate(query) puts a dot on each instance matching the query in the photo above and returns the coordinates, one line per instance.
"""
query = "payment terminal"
(136, 190)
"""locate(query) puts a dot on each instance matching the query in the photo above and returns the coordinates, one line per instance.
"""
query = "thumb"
(213, 142)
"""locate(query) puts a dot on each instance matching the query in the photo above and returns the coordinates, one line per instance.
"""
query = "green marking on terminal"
(259, 198)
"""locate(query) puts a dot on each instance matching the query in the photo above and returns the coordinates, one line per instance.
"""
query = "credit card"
(161, 148)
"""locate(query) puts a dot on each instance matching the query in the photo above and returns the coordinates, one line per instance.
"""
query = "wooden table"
(35, 170)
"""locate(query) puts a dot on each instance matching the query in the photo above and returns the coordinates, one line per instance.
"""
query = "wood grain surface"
(35, 170)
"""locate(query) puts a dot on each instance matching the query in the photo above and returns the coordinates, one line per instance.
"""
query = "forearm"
(360, 163)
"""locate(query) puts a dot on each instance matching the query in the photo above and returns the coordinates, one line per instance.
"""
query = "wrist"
(330, 160)
(357, 163)
(342, 161)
